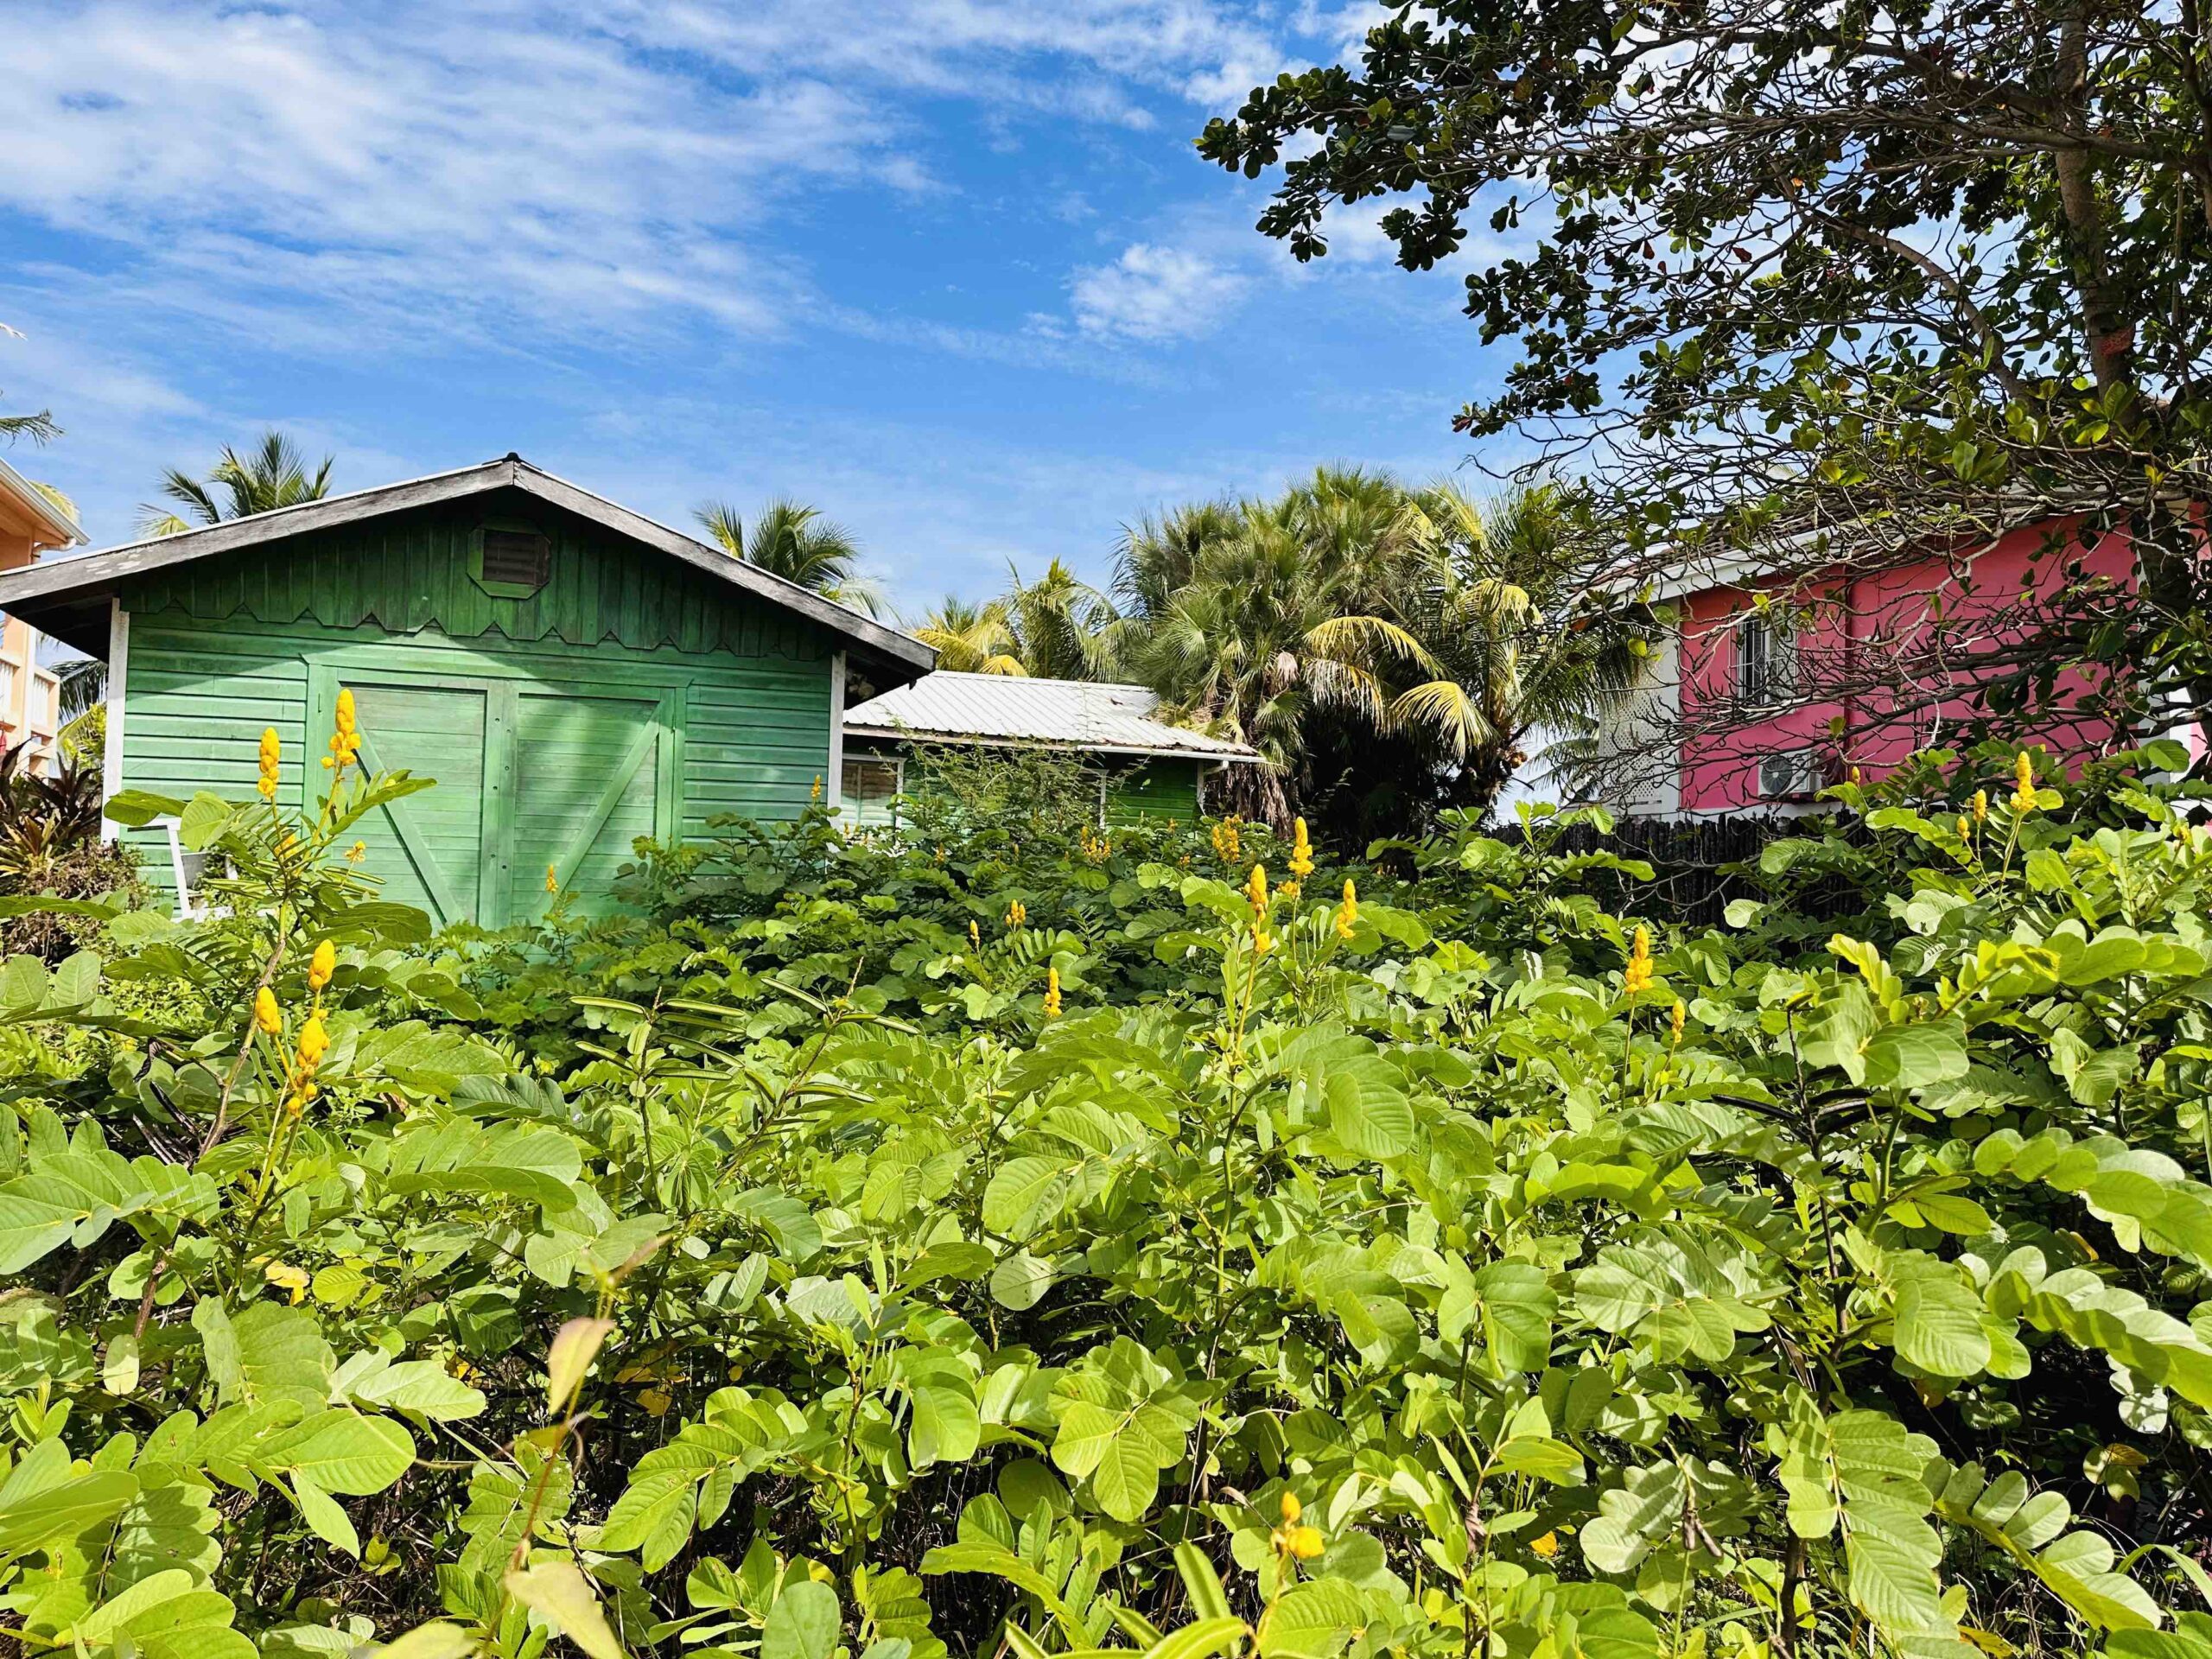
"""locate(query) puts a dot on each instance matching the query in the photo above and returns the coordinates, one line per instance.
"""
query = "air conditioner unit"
(1791, 775)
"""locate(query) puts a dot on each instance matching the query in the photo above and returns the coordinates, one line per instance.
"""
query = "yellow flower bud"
(552, 878)
(1292, 1509)
(1676, 1020)
(271, 748)
(1256, 888)
(322, 965)
(1347, 912)
(266, 1015)
(1301, 851)
(1052, 992)
(1980, 805)
(2024, 784)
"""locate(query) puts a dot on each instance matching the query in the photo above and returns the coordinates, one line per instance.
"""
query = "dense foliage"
(1049, 1241)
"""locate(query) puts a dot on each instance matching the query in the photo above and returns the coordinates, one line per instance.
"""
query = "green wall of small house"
(1156, 791)
(629, 697)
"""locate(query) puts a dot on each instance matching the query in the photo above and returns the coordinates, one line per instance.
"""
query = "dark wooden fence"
(1698, 864)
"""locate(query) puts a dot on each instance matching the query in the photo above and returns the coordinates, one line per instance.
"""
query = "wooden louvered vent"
(517, 556)
(510, 561)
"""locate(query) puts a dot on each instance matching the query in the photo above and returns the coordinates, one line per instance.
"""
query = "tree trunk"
(2104, 330)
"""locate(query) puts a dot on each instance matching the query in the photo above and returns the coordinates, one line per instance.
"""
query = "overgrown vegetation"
(1036, 1241)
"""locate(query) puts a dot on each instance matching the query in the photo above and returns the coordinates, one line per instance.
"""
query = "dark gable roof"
(68, 597)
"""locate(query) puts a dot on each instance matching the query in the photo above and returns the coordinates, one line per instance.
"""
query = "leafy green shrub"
(901, 1248)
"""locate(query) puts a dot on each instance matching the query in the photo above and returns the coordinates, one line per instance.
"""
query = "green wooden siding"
(1164, 791)
(408, 571)
(545, 752)
(1157, 790)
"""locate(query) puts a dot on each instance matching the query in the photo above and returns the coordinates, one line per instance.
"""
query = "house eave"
(60, 529)
(908, 735)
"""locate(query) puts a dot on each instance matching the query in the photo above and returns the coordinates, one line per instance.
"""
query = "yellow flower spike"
(817, 785)
(271, 748)
(1981, 806)
(1301, 851)
(1638, 977)
(1676, 1020)
(1256, 889)
(552, 878)
(1052, 992)
(266, 1015)
(2024, 784)
(1347, 912)
(348, 719)
(322, 965)
(314, 1044)
(1017, 914)
(975, 936)
(1292, 1509)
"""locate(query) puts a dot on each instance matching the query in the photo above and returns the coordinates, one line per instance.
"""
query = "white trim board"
(119, 671)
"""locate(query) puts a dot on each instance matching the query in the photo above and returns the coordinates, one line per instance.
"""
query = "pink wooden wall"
(1851, 616)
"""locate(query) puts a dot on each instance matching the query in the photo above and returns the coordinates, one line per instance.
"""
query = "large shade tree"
(1814, 283)
(272, 474)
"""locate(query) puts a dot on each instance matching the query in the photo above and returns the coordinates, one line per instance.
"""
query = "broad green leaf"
(558, 1591)
(803, 1623)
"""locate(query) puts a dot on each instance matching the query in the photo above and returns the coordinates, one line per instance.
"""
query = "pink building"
(30, 522)
(1769, 687)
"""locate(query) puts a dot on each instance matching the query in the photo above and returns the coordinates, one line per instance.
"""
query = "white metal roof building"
(1091, 714)
(1158, 763)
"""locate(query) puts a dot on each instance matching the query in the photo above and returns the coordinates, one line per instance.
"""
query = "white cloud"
(1154, 294)
(508, 169)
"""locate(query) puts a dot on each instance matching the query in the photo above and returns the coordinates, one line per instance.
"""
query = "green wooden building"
(572, 674)
(1147, 767)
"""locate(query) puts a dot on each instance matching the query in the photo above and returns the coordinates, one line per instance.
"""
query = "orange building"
(30, 522)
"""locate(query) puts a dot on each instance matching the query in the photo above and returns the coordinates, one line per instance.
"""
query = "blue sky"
(948, 269)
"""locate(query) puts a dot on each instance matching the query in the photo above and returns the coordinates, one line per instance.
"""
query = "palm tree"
(798, 543)
(39, 428)
(271, 476)
(1063, 627)
(1267, 629)
(972, 639)
(1523, 641)
(1387, 650)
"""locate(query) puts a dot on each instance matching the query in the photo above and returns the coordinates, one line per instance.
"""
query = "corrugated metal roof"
(1077, 714)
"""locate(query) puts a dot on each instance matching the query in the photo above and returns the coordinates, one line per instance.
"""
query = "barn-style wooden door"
(531, 774)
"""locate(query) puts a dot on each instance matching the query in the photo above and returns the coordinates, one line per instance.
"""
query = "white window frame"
(898, 765)
(1777, 683)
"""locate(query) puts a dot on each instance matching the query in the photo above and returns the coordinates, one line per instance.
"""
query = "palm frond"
(724, 525)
